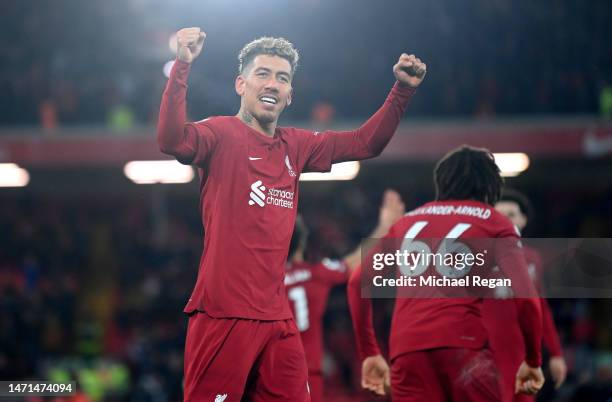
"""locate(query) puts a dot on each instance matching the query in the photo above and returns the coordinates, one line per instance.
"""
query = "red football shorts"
(315, 382)
(508, 358)
(233, 360)
(523, 398)
(508, 364)
(439, 375)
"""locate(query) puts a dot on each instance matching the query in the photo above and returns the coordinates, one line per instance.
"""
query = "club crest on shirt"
(289, 168)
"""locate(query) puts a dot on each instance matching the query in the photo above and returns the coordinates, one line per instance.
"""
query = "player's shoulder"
(223, 128)
(290, 130)
(412, 216)
(297, 133)
(502, 225)
(326, 264)
(217, 122)
(331, 264)
(296, 273)
(330, 272)
(477, 214)
(293, 266)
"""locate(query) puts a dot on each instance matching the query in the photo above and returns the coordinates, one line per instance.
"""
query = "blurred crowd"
(71, 62)
(92, 289)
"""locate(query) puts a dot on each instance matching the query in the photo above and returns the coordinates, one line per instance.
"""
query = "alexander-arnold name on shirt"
(467, 210)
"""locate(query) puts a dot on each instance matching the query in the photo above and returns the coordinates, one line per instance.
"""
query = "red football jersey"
(249, 194)
(501, 321)
(307, 287)
(426, 323)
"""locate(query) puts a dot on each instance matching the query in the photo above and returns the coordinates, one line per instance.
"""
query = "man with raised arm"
(242, 342)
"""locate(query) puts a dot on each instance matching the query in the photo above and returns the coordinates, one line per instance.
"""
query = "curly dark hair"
(280, 47)
(468, 173)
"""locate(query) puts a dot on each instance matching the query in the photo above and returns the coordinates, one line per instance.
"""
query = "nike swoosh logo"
(252, 158)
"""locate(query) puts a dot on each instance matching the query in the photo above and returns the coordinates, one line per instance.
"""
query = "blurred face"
(265, 87)
(512, 211)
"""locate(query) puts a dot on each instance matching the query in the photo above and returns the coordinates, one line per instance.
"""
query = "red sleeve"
(549, 331)
(332, 272)
(187, 142)
(367, 141)
(550, 334)
(511, 260)
(361, 313)
(361, 305)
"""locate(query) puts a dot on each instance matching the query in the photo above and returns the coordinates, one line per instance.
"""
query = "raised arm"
(370, 139)
(187, 142)
(391, 210)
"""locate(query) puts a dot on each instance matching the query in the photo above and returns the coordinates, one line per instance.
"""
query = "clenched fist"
(189, 43)
(529, 380)
(409, 70)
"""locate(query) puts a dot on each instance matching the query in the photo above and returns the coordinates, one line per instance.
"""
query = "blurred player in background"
(242, 342)
(500, 314)
(308, 285)
(438, 346)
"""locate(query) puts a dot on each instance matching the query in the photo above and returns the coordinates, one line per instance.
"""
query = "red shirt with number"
(428, 323)
(307, 287)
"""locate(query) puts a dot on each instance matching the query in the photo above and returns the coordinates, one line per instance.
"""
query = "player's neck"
(248, 119)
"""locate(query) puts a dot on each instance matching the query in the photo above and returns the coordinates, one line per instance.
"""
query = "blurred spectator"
(48, 115)
(121, 118)
(486, 58)
(605, 102)
(322, 114)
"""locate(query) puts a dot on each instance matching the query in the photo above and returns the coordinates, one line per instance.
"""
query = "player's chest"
(270, 161)
(261, 173)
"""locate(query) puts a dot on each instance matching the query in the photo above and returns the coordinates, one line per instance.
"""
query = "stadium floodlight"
(339, 171)
(11, 175)
(150, 172)
(511, 164)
